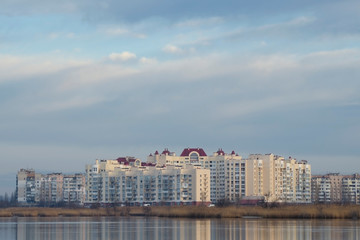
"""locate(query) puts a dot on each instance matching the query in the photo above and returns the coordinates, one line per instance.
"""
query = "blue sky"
(81, 80)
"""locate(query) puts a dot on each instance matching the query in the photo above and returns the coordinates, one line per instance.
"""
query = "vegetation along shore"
(293, 211)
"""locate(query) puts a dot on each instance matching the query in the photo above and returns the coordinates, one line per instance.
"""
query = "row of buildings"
(195, 178)
(48, 189)
(335, 188)
(191, 178)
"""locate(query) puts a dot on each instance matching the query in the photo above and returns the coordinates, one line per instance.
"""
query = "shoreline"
(282, 212)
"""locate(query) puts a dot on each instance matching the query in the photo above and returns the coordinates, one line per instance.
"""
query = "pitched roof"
(220, 152)
(187, 151)
(166, 151)
(125, 160)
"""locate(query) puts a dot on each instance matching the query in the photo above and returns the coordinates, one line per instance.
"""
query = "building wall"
(111, 182)
(35, 188)
(351, 189)
(227, 171)
(52, 188)
(327, 188)
(74, 188)
(336, 188)
(278, 179)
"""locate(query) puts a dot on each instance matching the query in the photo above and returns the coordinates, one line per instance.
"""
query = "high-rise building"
(336, 188)
(117, 181)
(52, 188)
(27, 186)
(351, 189)
(74, 188)
(326, 188)
(227, 171)
(278, 179)
(36, 188)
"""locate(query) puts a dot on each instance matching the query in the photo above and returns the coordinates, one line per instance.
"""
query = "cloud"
(196, 22)
(34, 66)
(57, 35)
(124, 56)
(116, 31)
(66, 104)
(299, 21)
(172, 49)
(115, 11)
(221, 92)
(145, 60)
(121, 31)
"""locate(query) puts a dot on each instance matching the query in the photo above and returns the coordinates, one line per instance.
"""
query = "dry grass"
(300, 211)
(55, 212)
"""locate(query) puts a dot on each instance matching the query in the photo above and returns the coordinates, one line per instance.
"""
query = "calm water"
(175, 229)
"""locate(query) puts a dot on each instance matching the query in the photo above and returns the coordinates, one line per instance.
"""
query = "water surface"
(139, 228)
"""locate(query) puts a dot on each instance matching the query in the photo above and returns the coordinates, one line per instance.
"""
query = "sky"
(82, 80)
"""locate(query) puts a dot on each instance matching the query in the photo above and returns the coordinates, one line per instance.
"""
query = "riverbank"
(300, 211)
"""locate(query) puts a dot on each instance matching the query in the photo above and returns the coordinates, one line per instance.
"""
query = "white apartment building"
(36, 188)
(28, 186)
(51, 188)
(278, 179)
(326, 188)
(74, 188)
(227, 171)
(336, 188)
(351, 189)
(119, 181)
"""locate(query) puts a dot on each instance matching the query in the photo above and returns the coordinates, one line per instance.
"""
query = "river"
(153, 228)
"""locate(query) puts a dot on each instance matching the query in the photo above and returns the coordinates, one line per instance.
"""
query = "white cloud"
(122, 31)
(53, 35)
(145, 60)
(124, 56)
(64, 104)
(172, 49)
(200, 21)
(70, 35)
(300, 21)
(57, 35)
(35, 66)
(68, 81)
(116, 31)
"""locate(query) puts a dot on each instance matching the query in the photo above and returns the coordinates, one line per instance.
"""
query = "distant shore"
(298, 211)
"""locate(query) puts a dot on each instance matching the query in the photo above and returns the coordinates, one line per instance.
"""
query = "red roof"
(144, 164)
(122, 160)
(186, 152)
(166, 151)
(220, 152)
(125, 160)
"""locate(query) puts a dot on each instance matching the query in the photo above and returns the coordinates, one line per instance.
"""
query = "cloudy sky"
(87, 79)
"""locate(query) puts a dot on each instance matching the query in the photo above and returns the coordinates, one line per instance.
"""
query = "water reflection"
(178, 229)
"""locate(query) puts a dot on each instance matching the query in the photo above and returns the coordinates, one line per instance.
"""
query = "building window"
(194, 157)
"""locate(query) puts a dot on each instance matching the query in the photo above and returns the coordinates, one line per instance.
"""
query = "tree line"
(7, 200)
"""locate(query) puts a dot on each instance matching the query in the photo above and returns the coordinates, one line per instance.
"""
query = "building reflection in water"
(138, 228)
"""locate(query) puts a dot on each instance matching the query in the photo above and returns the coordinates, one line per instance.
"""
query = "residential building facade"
(326, 188)
(351, 189)
(278, 179)
(336, 188)
(28, 186)
(227, 171)
(116, 181)
(74, 188)
(46, 189)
